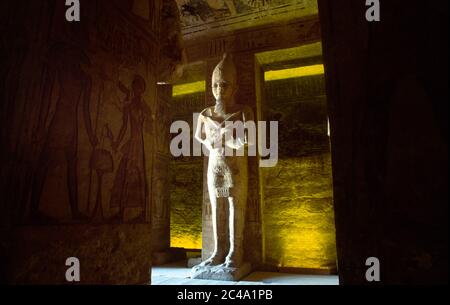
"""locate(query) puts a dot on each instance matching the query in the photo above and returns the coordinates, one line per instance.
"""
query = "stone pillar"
(160, 192)
(160, 198)
(247, 95)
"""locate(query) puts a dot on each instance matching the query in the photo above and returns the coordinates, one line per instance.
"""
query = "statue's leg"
(236, 232)
(218, 255)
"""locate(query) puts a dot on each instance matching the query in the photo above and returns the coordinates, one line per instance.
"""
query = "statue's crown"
(226, 68)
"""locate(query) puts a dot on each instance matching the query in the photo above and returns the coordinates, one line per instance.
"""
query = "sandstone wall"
(79, 155)
(186, 189)
(297, 193)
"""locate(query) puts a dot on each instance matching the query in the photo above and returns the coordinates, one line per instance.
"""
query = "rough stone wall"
(186, 193)
(298, 214)
(78, 140)
(186, 198)
(297, 193)
(109, 255)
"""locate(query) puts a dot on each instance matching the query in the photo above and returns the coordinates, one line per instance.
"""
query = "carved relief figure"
(102, 163)
(163, 127)
(62, 136)
(101, 160)
(130, 184)
(227, 176)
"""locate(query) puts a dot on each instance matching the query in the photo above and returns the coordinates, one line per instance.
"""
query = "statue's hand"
(224, 131)
(241, 142)
(209, 145)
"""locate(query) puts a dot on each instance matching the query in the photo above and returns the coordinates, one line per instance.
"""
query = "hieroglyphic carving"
(199, 16)
(221, 45)
(128, 41)
(160, 193)
(303, 87)
(184, 106)
(256, 40)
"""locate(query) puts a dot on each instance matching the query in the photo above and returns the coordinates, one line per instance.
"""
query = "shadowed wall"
(387, 88)
(78, 152)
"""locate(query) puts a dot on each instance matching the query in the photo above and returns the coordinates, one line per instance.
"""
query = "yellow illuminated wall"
(189, 88)
(294, 72)
(186, 194)
(298, 214)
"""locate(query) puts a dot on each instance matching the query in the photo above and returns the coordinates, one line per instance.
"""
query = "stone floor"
(179, 274)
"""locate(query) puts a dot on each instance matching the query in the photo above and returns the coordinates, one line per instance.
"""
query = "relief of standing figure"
(130, 188)
(65, 71)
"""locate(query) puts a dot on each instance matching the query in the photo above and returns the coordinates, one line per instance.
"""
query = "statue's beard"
(220, 107)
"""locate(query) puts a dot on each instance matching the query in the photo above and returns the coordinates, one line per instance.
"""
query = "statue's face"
(223, 86)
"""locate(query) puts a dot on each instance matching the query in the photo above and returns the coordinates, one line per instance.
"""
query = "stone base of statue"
(220, 273)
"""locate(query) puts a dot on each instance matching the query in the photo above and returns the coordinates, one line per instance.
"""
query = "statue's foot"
(214, 260)
(231, 261)
(228, 264)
